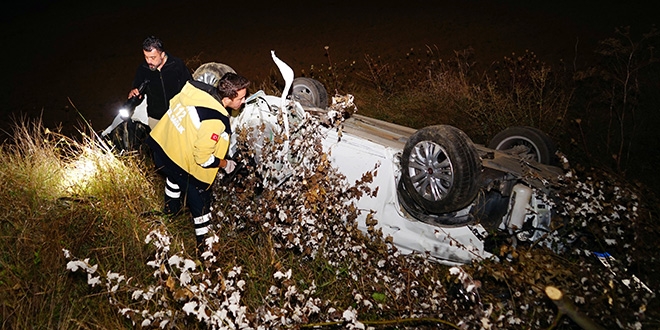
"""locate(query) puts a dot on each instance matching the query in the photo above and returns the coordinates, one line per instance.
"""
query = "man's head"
(232, 89)
(154, 53)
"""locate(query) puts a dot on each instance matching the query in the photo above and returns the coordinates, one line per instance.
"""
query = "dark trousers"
(180, 191)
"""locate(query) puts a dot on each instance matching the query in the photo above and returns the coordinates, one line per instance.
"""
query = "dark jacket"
(163, 84)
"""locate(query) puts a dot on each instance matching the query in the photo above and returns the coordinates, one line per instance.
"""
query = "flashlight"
(130, 104)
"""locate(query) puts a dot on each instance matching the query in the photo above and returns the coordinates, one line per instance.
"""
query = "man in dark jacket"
(166, 75)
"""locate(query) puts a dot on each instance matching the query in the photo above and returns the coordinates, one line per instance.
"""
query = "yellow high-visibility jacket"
(194, 133)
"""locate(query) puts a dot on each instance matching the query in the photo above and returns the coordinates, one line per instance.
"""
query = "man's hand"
(133, 92)
(229, 166)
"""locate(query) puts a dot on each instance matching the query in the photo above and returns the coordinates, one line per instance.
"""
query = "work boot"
(172, 198)
(202, 228)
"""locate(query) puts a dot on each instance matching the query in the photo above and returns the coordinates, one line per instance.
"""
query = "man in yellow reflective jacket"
(191, 141)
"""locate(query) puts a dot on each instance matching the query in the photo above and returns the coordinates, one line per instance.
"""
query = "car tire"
(540, 146)
(211, 72)
(309, 92)
(440, 168)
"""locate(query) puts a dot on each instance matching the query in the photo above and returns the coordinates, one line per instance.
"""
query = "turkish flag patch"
(214, 137)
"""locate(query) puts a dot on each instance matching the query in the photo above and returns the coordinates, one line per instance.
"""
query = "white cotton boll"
(367, 303)
(114, 276)
(74, 265)
(349, 315)
(235, 271)
(234, 301)
(93, 281)
(273, 290)
(189, 307)
(485, 323)
(311, 306)
(208, 255)
(291, 291)
(136, 294)
(185, 278)
(188, 264)
(174, 260)
(67, 253)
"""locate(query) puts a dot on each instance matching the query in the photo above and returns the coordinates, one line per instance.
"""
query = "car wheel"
(309, 92)
(440, 169)
(211, 72)
(537, 145)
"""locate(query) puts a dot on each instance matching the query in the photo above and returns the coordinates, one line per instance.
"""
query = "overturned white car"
(438, 192)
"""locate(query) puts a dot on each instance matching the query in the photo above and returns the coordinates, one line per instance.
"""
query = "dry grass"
(59, 193)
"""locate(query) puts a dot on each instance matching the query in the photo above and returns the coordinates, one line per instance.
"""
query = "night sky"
(64, 54)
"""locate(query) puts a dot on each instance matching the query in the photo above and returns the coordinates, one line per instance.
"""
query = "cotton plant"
(306, 206)
(182, 289)
(599, 208)
(313, 211)
(314, 199)
(601, 215)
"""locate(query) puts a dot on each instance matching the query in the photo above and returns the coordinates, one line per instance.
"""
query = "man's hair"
(230, 84)
(151, 43)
